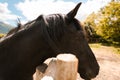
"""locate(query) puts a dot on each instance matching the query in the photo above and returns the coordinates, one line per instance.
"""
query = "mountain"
(4, 28)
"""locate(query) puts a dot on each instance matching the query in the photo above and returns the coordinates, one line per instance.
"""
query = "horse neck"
(26, 45)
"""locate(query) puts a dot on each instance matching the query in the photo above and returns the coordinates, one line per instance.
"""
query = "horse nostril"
(90, 74)
(93, 73)
(97, 70)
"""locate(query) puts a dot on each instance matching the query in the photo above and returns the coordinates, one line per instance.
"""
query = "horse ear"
(70, 16)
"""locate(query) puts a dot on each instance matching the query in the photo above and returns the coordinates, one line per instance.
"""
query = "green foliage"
(90, 20)
(90, 28)
(107, 22)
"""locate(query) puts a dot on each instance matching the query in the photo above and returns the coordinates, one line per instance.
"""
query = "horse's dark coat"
(22, 50)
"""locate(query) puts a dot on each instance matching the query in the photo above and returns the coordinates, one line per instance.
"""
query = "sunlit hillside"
(4, 28)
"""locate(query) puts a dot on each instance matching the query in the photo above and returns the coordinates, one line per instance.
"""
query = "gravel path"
(109, 63)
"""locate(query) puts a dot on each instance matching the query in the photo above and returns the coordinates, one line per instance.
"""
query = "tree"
(90, 28)
(90, 20)
(109, 22)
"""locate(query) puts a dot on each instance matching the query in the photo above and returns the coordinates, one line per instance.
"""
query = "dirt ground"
(109, 63)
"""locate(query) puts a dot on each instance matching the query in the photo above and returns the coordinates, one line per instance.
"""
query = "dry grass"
(115, 48)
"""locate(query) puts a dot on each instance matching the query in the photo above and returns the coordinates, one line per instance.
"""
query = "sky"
(28, 10)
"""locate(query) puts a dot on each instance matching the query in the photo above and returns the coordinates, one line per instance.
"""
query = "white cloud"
(92, 6)
(33, 8)
(5, 13)
(3, 8)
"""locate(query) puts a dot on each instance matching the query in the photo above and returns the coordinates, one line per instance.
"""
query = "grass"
(1, 35)
(116, 50)
(95, 45)
(114, 47)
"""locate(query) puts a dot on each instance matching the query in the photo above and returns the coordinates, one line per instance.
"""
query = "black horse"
(29, 45)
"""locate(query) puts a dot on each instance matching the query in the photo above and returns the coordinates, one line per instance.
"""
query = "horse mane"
(54, 25)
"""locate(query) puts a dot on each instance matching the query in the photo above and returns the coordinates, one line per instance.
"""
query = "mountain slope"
(4, 28)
